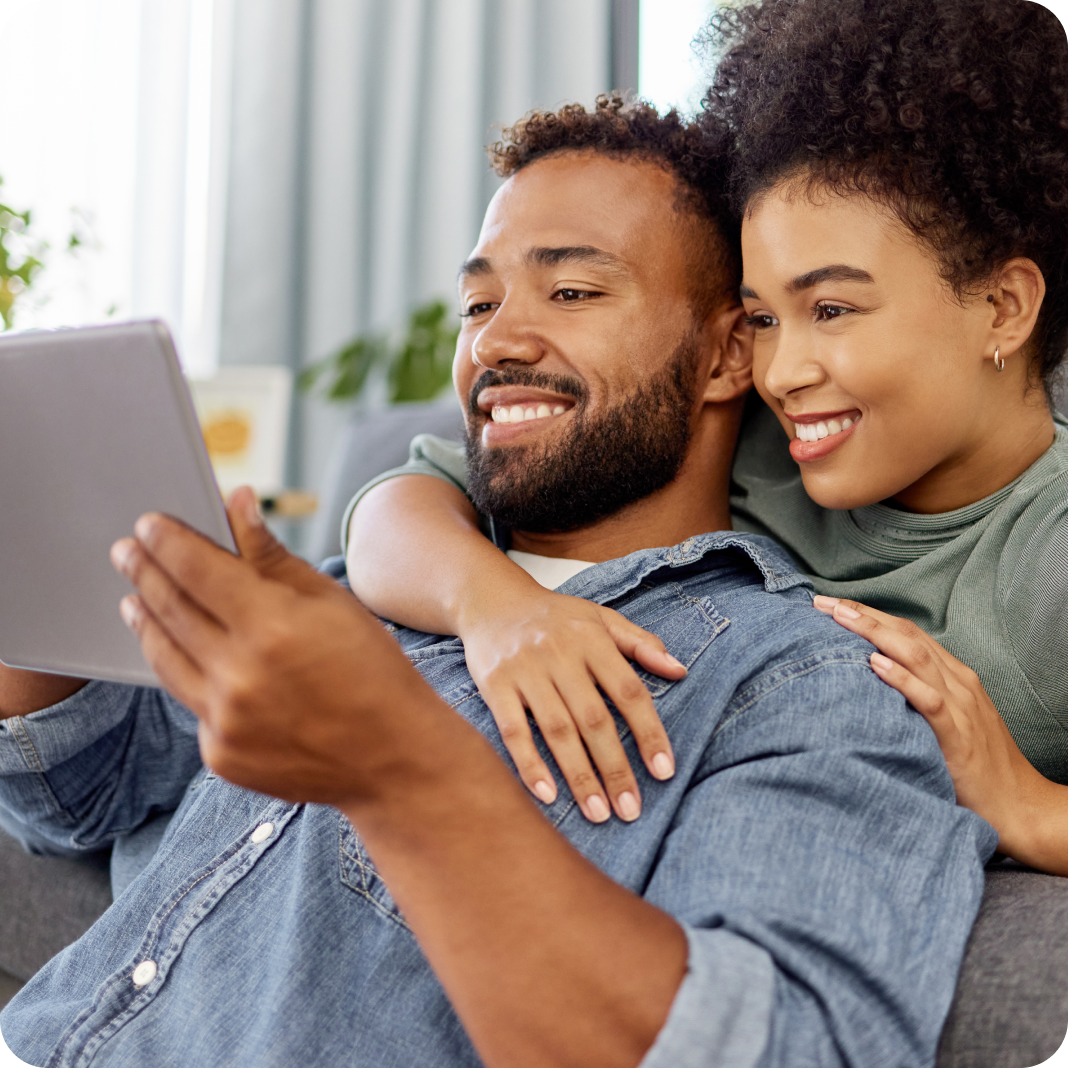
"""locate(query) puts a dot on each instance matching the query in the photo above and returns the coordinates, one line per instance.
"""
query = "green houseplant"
(417, 365)
(19, 259)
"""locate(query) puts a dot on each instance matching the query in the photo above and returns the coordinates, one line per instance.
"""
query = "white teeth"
(518, 414)
(819, 431)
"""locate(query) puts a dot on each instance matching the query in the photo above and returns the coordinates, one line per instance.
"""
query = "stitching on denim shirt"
(34, 764)
(773, 680)
(368, 873)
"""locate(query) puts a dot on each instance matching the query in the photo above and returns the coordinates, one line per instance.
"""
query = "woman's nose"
(792, 366)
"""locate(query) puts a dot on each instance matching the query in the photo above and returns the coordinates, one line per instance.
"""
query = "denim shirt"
(808, 844)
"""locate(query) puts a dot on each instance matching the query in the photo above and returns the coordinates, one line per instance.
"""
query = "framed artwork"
(244, 416)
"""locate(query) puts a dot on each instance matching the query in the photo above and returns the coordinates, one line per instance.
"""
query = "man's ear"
(730, 373)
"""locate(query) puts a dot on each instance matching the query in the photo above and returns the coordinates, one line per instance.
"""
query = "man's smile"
(509, 405)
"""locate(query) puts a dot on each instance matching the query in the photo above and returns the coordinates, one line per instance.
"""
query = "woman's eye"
(573, 296)
(761, 322)
(825, 312)
(474, 310)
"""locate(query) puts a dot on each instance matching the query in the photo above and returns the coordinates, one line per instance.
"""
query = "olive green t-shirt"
(989, 581)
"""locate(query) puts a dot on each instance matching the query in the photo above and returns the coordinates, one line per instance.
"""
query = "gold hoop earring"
(999, 363)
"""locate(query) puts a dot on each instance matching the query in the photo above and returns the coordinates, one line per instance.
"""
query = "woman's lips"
(837, 429)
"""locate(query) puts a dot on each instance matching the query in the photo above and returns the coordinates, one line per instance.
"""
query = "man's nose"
(509, 337)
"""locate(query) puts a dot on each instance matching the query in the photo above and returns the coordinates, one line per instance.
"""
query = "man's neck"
(694, 502)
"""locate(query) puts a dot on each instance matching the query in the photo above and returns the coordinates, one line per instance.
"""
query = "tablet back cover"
(96, 428)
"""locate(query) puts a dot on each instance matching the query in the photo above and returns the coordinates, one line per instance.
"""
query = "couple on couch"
(354, 872)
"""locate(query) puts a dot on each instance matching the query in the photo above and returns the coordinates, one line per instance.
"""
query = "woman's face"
(875, 370)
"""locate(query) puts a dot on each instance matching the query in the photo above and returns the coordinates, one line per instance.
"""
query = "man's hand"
(301, 694)
(299, 691)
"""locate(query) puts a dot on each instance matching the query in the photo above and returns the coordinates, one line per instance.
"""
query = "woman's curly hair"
(622, 129)
(953, 112)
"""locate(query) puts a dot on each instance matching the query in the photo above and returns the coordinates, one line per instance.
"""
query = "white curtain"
(356, 177)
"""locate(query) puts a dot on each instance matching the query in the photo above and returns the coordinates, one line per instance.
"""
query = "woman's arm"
(415, 555)
(990, 774)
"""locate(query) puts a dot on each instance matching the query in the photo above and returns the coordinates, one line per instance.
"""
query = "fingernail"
(120, 555)
(884, 663)
(145, 527)
(545, 791)
(130, 612)
(673, 662)
(846, 612)
(596, 809)
(663, 766)
(253, 516)
(824, 604)
(629, 807)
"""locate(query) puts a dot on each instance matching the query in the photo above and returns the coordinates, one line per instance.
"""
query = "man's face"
(579, 356)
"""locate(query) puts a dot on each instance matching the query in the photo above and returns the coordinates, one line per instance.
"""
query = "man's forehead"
(578, 207)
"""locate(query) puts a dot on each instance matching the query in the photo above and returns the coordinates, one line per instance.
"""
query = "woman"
(901, 170)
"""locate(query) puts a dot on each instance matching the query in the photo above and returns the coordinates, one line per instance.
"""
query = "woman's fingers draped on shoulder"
(560, 723)
(899, 639)
(510, 715)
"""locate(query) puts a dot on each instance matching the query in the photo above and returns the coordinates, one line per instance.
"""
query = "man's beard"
(602, 464)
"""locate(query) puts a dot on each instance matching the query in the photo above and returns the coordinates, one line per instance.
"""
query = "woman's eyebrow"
(838, 272)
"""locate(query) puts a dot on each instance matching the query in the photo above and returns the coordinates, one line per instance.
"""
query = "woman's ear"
(731, 370)
(1015, 299)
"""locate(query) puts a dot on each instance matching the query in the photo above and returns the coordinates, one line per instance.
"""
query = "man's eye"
(574, 296)
(761, 322)
(825, 312)
(474, 310)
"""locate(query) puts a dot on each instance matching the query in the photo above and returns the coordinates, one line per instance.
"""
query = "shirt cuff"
(51, 736)
(721, 1015)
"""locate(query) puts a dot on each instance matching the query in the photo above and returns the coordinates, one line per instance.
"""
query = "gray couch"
(1011, 1004)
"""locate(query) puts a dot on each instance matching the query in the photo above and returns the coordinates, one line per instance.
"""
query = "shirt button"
(262, 833)
(144, 973)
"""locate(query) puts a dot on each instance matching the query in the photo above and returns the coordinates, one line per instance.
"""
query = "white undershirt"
(8, 1059)
(548, 571)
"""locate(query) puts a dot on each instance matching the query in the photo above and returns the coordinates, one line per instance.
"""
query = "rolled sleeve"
(80, 774)
(721, 1015)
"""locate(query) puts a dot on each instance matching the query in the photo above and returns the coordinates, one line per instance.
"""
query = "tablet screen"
(96, 428)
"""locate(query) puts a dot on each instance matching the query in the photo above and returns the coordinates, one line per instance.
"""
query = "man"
(799, 892)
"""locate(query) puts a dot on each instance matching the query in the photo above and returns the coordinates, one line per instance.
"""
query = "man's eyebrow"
(475, 265)
(581, 254)
(838, 272)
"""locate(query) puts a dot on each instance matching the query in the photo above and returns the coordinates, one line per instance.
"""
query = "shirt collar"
(614, 578)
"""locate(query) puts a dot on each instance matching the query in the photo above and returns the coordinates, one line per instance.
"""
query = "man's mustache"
(526, 376)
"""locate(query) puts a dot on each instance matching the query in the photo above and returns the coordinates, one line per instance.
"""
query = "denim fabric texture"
(809, 844)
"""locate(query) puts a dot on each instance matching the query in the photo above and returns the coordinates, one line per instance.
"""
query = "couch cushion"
(45, 904)
(1011, 1005)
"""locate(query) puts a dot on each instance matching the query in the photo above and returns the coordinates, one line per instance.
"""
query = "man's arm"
(23, 692)
(566, 970)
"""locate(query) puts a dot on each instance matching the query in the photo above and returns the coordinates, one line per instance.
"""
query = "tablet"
(96, 428)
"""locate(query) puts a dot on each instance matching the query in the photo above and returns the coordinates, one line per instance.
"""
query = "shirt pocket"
(360, 875)
(687, 632)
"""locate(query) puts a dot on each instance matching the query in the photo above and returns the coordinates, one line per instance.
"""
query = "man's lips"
(817, 434)
(522, 404)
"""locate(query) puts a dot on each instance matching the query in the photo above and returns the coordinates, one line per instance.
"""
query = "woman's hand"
(990, 774)
(548, 653)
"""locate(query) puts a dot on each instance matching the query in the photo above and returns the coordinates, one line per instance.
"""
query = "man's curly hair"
(953, 112)
(624, 130)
